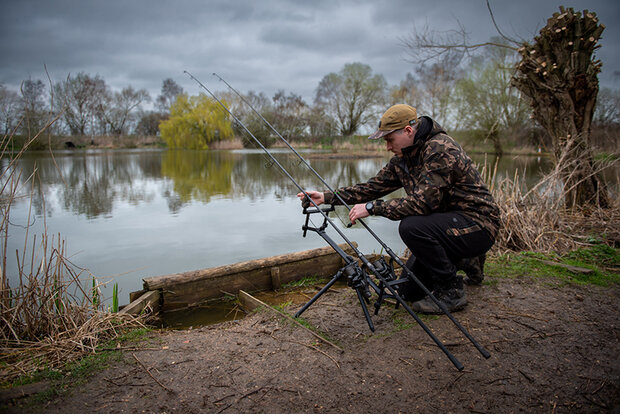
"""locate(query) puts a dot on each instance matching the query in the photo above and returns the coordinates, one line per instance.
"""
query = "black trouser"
(437, 241)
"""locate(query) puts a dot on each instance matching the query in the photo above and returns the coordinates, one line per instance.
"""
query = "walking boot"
(473, 268)
(411, 291)
(451, 294)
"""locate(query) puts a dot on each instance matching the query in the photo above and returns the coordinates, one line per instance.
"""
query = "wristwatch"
(370, 206)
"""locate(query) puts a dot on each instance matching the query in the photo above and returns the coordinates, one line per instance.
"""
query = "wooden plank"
(249, 302)
(164, 282)
(275, 278)
(185, 289)
(135, 295)
(150, 298)
(199, 290)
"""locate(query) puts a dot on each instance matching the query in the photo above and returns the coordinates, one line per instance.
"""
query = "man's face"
(397, 140)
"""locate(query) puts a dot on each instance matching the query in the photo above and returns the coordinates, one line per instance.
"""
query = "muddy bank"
(554, 349)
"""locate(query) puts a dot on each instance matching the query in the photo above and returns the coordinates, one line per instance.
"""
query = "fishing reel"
(357, 279)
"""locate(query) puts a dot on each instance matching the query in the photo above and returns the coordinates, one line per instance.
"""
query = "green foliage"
(304, 282)
(115, 298)
(195, 122)
(95, 294)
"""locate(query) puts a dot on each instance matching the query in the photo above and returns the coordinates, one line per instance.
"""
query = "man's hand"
(358, 212)
(317, 197)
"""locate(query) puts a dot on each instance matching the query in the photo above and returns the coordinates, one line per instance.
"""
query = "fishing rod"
(357, 277)
(387, 249)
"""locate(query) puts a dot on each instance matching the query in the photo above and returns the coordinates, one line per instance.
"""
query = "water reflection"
(91, 184)
(132, 214)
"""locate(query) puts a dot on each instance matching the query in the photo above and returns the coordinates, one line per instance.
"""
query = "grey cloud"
(261, 46)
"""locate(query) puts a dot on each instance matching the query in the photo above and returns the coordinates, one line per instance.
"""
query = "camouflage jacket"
(436, 174)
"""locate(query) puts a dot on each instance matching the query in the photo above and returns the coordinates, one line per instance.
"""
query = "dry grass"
(537, 219)
(54, 312)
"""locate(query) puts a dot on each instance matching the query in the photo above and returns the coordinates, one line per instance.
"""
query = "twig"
(525, 315)
(405, 361)
(149, 372)
(246, 296)
(600, 387)
(527, 377)
(318, 350)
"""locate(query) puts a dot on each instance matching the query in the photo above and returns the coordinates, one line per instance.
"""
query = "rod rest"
(326, 209)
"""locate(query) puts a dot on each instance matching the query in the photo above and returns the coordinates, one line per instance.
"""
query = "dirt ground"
(554, 349)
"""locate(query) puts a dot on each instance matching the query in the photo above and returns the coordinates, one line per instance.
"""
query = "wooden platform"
(186, 289)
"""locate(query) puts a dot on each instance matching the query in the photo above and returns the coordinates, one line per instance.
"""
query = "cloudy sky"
(255, 45)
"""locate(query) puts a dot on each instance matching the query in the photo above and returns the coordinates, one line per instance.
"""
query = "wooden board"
(147, 299)
(189, 288)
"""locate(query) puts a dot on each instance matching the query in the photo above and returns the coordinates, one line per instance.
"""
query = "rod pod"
(387, 249)
(363, 258)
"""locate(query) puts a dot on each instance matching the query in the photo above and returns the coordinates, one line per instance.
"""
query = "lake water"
(130, 214)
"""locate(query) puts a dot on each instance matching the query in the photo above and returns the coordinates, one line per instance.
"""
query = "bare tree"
(33, 108)
(117, 111)
(351, 96)
(9, 110)
(169, 92)
(406, 92)
(290, 114)
(78, 98)
(435, 83)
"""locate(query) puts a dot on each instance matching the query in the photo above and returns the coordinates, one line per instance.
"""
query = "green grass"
(601, 259)
(304, 282)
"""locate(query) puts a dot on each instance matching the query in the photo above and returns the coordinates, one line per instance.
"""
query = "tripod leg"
(362, 300)
(318, 295)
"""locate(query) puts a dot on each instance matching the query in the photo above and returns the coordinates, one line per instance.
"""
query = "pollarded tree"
(559, 75)
(351, 96)
(195, 122)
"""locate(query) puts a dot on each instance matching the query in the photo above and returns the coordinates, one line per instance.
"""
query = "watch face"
(369, 206)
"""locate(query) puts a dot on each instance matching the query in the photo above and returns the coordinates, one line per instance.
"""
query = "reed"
(537, 219)
(51, 316)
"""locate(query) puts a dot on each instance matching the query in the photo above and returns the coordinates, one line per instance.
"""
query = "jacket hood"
(428, 128)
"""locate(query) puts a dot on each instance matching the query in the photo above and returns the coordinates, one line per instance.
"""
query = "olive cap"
(396, 117)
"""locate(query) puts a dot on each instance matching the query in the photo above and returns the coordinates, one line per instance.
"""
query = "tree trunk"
(560, 77)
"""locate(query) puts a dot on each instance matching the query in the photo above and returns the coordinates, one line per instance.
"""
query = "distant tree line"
(477, 97)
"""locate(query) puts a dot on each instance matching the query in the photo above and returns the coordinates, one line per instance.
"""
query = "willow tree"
(194, 123)
(559, 74)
